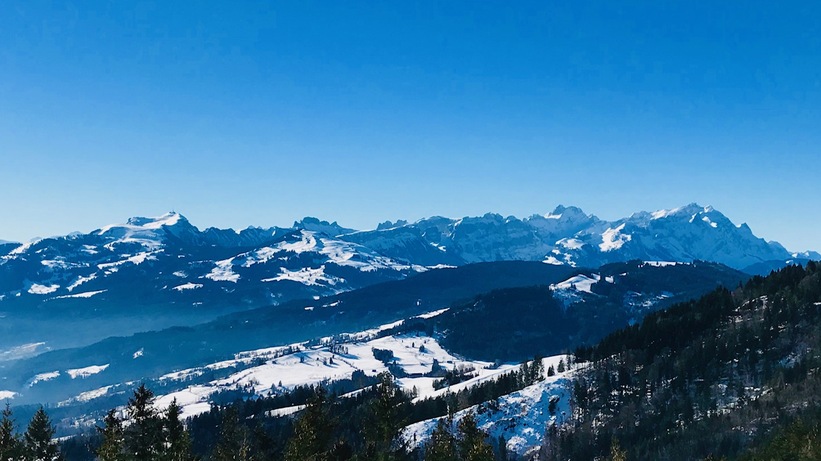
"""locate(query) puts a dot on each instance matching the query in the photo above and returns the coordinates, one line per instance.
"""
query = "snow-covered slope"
(686, 233)
(276, 370)
(521, 418)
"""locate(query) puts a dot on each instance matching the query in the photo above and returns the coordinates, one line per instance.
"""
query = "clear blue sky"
(259, 113)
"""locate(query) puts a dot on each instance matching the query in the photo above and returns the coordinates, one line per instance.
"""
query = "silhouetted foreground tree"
(149, 436)
(37, 442)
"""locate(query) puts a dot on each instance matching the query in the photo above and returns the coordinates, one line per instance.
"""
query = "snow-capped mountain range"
(164, 271)
(320, 258)
(569, 236)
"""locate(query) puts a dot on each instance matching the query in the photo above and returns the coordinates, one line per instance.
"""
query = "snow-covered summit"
(142, 223)
(168, 219)
(149, 229)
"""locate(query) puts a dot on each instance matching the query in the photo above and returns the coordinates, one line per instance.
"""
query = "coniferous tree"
(536, 370)
(617, 453)
(143, 438)
(383, 433)
(472, 444)
(177, 439)
(38, 438)
(312, 432)
(442, 443)
(263, 446)
(11, 448)
(503, 455)
(113, 444)
(233, 444)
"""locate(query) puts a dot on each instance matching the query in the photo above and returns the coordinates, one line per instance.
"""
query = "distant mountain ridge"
(166, 271)
(569, 236)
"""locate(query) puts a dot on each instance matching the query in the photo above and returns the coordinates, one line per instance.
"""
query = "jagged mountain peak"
(567, 213)
(331, 229)
(391, 225)
(686, 210)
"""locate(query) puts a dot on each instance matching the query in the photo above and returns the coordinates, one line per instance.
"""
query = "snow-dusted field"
(415, 353)
(521, 417)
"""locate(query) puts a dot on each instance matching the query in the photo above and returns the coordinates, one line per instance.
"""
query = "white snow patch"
(136, 259)
(285, 411)
(44, 377)
(188, 286)
(306, 276)
(91, 395)
(570, 243)
(21, 351)
(613, 239)
(6, 395)
(58, 264)
(139, 353)
(579, 282)
(87, 371)
(80, 280)
(441, 266)
(223, 272)
(553, 261)
(86, 294)
(433, 314)
(23, 248)
(37, 289)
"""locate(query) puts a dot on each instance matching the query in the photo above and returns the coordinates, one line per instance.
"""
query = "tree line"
(362, 427)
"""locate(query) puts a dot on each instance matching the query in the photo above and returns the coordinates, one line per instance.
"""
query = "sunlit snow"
(306, 276)
(521, 417)
(86, 294)
(81, 280)
(579, 282)
(223, 272)
(188, 286)
(86, 372)
(44, 377)
(613, 239)
(37, 289)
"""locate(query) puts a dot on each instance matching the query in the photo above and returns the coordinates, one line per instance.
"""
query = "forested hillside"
(732, 375)
(713, 377)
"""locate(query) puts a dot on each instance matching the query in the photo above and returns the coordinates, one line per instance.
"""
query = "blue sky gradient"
(260, 113)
